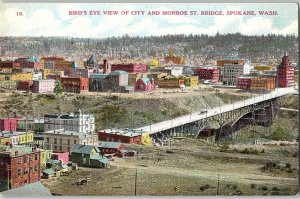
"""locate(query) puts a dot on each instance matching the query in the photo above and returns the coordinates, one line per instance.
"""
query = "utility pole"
(135, 182)
(218, 185)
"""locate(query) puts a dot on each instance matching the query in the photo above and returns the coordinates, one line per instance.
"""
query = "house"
(62, 156)
(19, 165)
(110, 147)
(24, 85)
(49, 174)
(285, 73)
(144, 84)
(171, 82)
(88, 155)
(36, 189)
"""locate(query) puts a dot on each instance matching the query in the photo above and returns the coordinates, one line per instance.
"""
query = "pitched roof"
(118, 72)
(109, 144)
(100, 159)
(85, 149)
(98, 76)
(92, 60)
(49, 171)
(32, 189)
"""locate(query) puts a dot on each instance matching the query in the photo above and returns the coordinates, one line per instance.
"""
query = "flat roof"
(69, 133)
(124, 132)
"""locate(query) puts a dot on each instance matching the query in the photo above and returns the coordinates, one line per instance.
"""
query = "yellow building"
(4, 140)
(25, 138)
(262, 68)
(191, 81)
(44, 156)
(170, 82)
(18, 76)
(146, 139)
(47, 71)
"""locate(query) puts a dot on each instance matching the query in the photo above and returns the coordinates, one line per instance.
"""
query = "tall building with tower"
(285, 73)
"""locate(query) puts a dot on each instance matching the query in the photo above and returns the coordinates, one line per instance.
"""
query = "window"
(19, 160)
(55, 147)
(19, 172)
(60, 148)
(36, 167)
(25, 159)
(60, 141)
(75, 142)
(25, 171)
(47, 139)
(36, 156)
(55, 140)
(68, 142)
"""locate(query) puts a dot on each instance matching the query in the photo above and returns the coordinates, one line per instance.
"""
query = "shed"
(48, 173)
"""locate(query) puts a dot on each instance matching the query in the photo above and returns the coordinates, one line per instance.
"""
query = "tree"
(58, 89)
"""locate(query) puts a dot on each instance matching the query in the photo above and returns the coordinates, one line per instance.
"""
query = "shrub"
(246, 151)
(234, 186)
(252, 186)
(264, 188)
(288, 165)
(262, 151)
(275, 189)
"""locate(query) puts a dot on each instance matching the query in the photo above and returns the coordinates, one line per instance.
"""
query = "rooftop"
(11, 151)
(29, 190)
(125, 132)
(69, 133)
(109, 144)
(85, 149)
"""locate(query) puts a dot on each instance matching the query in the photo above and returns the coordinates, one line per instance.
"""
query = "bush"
(234, 186)
(264, 188)
(288, 165)
(275, 189)
(262, 151)
(252, 186)
(246, 151)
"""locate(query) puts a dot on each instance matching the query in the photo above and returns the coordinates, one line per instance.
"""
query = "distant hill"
(193, 47)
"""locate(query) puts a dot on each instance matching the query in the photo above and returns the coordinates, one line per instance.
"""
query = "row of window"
(26, 158)
(26, 171)
(60, 141)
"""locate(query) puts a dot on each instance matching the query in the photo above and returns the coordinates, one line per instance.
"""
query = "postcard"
(149, 99)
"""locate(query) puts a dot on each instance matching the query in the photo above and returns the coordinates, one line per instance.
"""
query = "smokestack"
(105, 67)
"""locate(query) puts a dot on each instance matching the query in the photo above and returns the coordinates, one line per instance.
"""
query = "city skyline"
(54, 20)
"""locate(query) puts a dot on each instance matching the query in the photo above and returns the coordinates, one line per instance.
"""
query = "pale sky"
(53, 19)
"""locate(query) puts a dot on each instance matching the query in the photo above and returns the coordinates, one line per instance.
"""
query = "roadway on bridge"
(195, 116)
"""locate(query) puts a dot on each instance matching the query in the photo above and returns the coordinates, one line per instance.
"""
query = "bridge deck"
(195, 116)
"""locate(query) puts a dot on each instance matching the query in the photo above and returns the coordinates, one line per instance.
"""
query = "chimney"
(105, 66)
(16, 153)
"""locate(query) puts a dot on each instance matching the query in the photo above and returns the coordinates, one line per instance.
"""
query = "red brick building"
(130, 68)
(18, 166)
(24, 85)
(243, 82)
(9, 64)
(113, 135)
(75, 85)
(8, 124)
(285, 73)
(212, 74)
(144, 84)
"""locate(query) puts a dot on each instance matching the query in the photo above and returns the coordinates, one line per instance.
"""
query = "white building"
(230, 72)
(77, 122)
(175, 70)
(61, 140)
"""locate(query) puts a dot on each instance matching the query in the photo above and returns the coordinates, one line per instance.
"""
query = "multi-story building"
(24, 85)
(63, 141)
(130, 68)
(78, 122)
(171, 82)
(231, 61)
(208, 73)
(285, 73)
(30, 124)
(263, 83)
(80, 72)
(174, 70)
(243, 82)
(43, 86)
(113, 81)
(8, 124)
(75, 85)
(57, 63)
(18, 76)
(9, 64)
(230, 72)
(19, 165)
